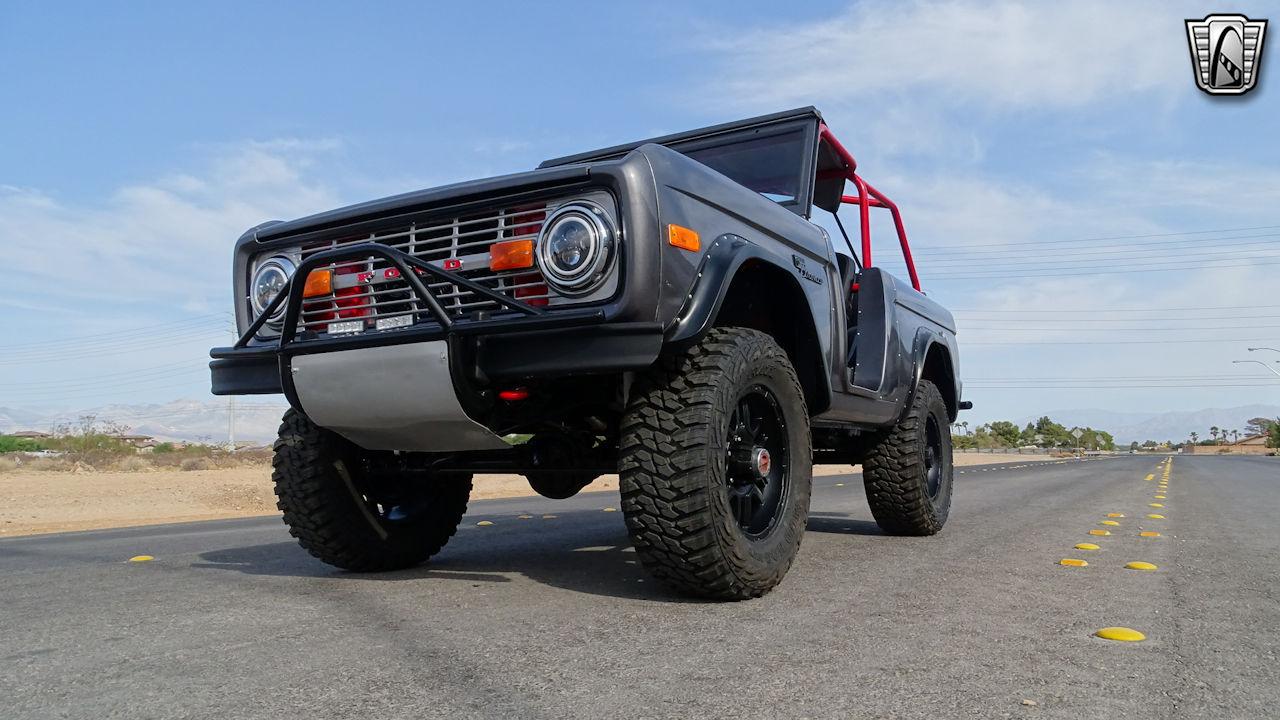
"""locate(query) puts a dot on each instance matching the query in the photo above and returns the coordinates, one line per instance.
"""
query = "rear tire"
(709, 513)
(352, 518)
(908, 471)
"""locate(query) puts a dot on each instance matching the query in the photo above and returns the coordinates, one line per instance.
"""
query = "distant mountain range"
(194, 420)
(1176, 426)
(258, 418)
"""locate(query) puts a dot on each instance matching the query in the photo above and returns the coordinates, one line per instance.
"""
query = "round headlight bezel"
(277, 264)
(595, 267)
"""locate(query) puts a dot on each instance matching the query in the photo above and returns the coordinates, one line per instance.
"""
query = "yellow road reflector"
(1148, 533)
(610, 509)
(1161, 497)
(1150, 477)
(1099, 532)
(1156, 504)
(1154, 516)
(484, 523)
(1073, 562)
(1087, 546)
(1111, 523)
(1139, 565)
(1123, 634)
(1115, 514)
(141, 558)
(525, 517)
(548, 517)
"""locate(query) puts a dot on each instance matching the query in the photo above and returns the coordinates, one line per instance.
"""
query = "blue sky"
(141, 139)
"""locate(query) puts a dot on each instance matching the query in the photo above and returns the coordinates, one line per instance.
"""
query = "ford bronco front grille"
(369, 294)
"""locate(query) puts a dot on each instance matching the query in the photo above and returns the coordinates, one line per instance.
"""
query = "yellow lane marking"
(1099, 532)
(1123, 634)
(1139, 565)
(609, 509)
(1087, 546)
(484, 523)
(525, 517)
(1161, 497)
(548, 517)
(1154, 516)
(1073, 562)
(141, 558)
(1112, 523)
(1148, 533)
(1115, 514)
(1150, 477)
(1156, 504)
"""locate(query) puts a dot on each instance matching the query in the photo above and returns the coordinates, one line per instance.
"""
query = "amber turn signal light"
(683, 238)
(319, 282)
(511, 255)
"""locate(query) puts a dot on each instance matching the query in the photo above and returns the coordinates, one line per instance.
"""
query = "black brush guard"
(525, 317)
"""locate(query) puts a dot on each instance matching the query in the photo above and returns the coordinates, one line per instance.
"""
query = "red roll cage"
(867, 198)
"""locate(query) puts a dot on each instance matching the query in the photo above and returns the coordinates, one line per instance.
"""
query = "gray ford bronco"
(667, 310)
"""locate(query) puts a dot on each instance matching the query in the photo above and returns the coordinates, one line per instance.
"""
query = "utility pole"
(231, 408)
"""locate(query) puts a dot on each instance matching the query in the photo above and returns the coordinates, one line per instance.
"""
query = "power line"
(1102, 239)
(1212, 255)
(1121, 377)
(107, 376)
(1119, 310)
(143, 330)
(1121, 387)
(148, 344)
(959, 250)
(964, 327)
(1120, 342)
(1079, 272)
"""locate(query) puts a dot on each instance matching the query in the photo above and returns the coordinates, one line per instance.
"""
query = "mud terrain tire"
(688, 508)
(327, 503)
(908, 471)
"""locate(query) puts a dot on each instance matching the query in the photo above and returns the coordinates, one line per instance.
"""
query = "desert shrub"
(9, 443)
(194, 463)
(132, 463)
(59, 464)
(163, 448)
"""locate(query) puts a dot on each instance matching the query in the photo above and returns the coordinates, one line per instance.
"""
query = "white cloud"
(1002, 55)
(165, 241)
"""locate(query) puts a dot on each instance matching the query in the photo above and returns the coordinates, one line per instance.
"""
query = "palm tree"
(1214, 432)
(1235, 436)
(1194, 437)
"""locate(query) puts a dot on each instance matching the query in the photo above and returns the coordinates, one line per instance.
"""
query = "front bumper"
(526, 342)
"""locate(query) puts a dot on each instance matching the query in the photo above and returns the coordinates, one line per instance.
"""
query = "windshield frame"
(805, 120)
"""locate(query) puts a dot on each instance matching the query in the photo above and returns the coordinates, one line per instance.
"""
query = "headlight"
(575, 247)
(268, 280)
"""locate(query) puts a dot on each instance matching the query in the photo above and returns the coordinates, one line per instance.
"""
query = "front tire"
(716, 466)
(350, 516)
(908, 472)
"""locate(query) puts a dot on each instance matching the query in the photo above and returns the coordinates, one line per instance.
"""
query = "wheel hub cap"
(762, 461)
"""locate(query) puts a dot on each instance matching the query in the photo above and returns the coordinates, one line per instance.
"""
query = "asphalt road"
(552, 617)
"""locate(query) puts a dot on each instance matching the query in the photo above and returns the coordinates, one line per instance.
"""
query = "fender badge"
(804, 271)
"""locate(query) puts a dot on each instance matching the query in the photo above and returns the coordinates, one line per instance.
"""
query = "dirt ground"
(46, 502)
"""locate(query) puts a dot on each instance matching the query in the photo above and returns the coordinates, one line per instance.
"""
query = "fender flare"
(719, 267)
(720, 263)
(925, 340)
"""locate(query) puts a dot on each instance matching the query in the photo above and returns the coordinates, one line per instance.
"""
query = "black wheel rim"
(933, 458)
(757, 461)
